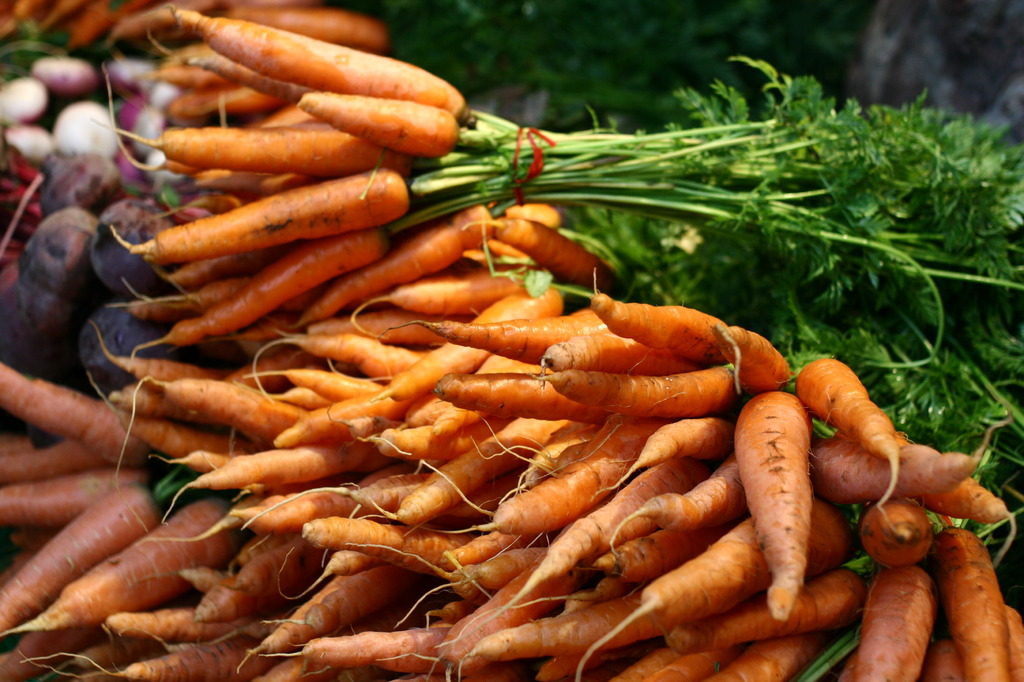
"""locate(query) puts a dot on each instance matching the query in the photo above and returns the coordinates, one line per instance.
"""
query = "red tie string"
(536, 165)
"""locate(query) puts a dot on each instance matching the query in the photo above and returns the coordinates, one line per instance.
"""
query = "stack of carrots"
(412, 462)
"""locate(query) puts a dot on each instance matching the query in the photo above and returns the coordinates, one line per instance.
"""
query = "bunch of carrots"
(411, 459)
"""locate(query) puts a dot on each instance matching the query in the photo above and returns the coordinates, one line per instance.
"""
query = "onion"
(84, 128)
(66, 76)
(32, 141)
(23, 100)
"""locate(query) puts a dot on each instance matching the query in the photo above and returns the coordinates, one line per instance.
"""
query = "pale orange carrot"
(968, 500)
(388, 325)
(413, 650)
(615, 354)
(477, 582)
(54, 502)
(225, 660)
(759, 365)
(334, 424)
(513, 395)
(64, 457)
(942, 663)
(699, 437)
(170, 624)
(695, 666)
(455, 291)
(330, 24)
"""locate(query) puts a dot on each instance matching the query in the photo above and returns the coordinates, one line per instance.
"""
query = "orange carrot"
(419, 379)
(897, 625)
(971, 599)
(685, 331)
(473, 469)
(410, 651)
(225, 660)
(646, 558)
(773, 438)
(194, 274)
(195, 107)
(476, 583)
(67, 413)
(387, 325)
(418, 443)
(368, 355)
(829, 601)
(144, 574)
(175, 439)
(614, 354)
(942, 663)
(456, 291)
(34, 652)
(518, 339)
(579, 486)
(699, 393)
(565, 258)
(699, 437)
(546, 214)
(324, 66)
(1016, 624)
(171, 624)
(759, 365)
(403, 126)
(834, 393)
(896, 533)
(779, 658)
(338, 423)
(330, 24)
(54, 502)
(695, 666)
(430, 248)
(32, 464)
(515, 395)
(354, 202)
(104, 528)
(968, 500)
(844, 473)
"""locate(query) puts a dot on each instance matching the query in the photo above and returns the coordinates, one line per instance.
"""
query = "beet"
(122, 333)
(89, 181)
(135, 221)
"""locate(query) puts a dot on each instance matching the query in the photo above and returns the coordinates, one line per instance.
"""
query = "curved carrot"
(897, 625)
(317, 64)
(699, 437)
(615, 354)
(404, 127)
(354, 202)
(772, 441)
(566, 259)
(835, 394)
(973, 603)
(759, 365)
(700, 393)
(895, 533)
(33, 464)
(968, 500)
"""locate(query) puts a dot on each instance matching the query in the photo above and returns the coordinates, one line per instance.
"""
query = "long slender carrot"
(64, 457)
(615, 354)
(514, 394)
(330, 24)
(1016, 624)
(194, 274)
(369, 356)
(197, 107)
(685, 331)
(835, 394)
(973, 603)
(34, 652)
(144, 574)
(829, 601)
(695, 666)
(700, 393)
(567, 259)
(324, 66)
(455, 291)
(897, 625)
(54, 502)
(170, 624)
(968, 500)
(896, 533)
(335, 424)
(776, 659)
(225, 660)
(413, 650)
(402, 126)
(104, 528)
(65, 412)
(430, 248)
(773, 439)
(354, 202)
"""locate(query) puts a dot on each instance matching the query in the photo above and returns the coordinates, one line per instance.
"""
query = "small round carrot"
(972, 601)
(835, 394)
(170, 624)
(897, 625)
(895, 533)
(405, 127)
(700, 393)
(326, 208)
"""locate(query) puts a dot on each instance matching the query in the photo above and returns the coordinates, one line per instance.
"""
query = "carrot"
(411, 651)
(67, 413)
(695, 666)
(776, 659)
(685, 331)
(699, 437)
(429, 248)
(700, 393)
(648, 665)
(35, 652)
(142, 575)
(942, 663)
(343, 601)
(1013, 619)
(718, 499)
(546, 214)
(330, 24)
(591, 534)
(518, 339)
(419, 379)
(368, 355)
(833, 393)
(175, 439)
(327, 208)
(387, 325)
(513, 395)
(328, 67)
(332, 385)
(195, 107)
(32, 464)
(476, 583)
(418, 443)
(473, 469)
(647, 557)
(971, 599)
(171, 624)
(579, 486)
(565, 258)
(615, 354)
(845, 474)
(54, 502)
(103, 528)
(829, 601)
(454, 291)
(403, 126)
(337, 423)
(773, 438)
(221, 661)
(897, 625)
(968, 500)
(604, 665)
(196, 273)
(759, 366)
(897, 533)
